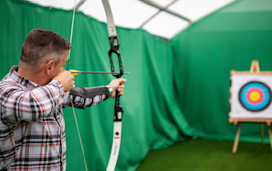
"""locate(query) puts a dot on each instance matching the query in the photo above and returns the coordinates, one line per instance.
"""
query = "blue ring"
(243, 96)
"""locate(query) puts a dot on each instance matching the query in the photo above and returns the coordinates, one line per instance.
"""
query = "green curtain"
(206, 52)
(152, 116)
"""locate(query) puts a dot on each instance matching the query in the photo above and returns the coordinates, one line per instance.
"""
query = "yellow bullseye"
(255, 96)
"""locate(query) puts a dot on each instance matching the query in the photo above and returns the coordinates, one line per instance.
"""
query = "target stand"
(251, 100)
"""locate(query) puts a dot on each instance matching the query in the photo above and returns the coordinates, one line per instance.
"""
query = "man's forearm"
(86, 96)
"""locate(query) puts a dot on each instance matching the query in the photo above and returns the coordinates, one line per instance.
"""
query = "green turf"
(209, 155)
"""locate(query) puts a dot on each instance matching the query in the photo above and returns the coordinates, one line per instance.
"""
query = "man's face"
(61, 65)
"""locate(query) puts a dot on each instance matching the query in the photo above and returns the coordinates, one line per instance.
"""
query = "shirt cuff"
(57, 84)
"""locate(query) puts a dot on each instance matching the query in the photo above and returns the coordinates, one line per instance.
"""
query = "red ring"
(259, 100)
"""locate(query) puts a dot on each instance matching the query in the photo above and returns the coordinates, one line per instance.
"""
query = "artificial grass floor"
(209, 155)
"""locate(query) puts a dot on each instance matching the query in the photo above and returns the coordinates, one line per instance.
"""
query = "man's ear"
(50, 67)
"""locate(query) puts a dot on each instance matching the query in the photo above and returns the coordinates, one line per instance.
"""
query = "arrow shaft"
(95, 72)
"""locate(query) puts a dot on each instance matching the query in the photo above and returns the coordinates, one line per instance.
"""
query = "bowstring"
(71, 99)
(72, 32)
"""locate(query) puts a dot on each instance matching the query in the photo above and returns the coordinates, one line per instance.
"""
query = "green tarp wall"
(174, 90)
(228, 39)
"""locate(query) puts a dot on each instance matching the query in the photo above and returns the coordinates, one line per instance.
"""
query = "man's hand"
(117, 84)
(66, 79)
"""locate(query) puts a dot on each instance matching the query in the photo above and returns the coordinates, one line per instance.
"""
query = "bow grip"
(115, 49)
(118, 110)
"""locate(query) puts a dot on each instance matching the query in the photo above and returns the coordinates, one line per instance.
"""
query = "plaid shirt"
(32, 130)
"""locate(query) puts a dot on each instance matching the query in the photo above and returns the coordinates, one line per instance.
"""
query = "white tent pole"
(153, 4)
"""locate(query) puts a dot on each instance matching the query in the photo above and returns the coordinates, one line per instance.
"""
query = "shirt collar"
(13, 74)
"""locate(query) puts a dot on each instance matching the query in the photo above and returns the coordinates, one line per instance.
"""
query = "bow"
(118, 110)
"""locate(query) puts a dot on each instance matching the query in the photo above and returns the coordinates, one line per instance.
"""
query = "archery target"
(251, 96)
(255, 96)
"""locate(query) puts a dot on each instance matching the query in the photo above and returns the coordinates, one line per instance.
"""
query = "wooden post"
(235, 145)
(239, 121)
(270, 134)
(262, 133)
(254, 68)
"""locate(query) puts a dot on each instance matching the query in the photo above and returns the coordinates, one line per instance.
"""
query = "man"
(32, 95)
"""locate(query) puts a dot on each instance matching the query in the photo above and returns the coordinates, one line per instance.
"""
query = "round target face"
(255, 96)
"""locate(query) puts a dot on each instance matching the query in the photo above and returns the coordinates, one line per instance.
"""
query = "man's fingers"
(121, 89)
(66, 79)
(117, 84)
(122, 80)
(121, 86)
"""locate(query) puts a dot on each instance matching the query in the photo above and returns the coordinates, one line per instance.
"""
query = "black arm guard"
(90, 92)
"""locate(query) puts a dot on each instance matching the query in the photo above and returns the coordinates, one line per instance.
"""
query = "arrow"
(76, 72)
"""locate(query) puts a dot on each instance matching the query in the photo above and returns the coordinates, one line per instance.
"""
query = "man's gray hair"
(40, 44)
